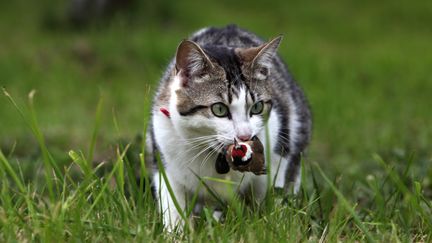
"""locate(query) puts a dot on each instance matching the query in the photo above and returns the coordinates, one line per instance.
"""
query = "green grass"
(365, 67)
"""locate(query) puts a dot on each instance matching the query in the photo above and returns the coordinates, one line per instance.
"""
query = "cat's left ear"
(261, 55)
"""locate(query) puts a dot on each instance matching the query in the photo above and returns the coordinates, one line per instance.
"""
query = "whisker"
(197, 155)
(206, 159)
(206, 145)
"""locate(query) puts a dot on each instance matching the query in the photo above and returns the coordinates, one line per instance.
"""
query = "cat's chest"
(199, 175)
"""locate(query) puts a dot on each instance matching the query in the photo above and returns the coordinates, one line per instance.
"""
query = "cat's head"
(220, 93)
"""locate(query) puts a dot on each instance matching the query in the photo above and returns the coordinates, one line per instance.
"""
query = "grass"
(364, 66)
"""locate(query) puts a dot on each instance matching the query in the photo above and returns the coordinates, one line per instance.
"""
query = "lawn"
(74, 97)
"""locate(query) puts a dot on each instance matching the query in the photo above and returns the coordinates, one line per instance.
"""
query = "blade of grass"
(49, 162)
(95, 133)
(82, 164)
(144, 173)
(31, 121)
(270, 189)
(128, 164)
(318, 192)
(144, 181)
(409, 196)
(104, 186)
(8, 168)
(210, 190)
(193, 202)
(346, 204)
(120, 171)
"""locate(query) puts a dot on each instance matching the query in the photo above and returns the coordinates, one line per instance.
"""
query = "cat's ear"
(261, 55)
(190, 59)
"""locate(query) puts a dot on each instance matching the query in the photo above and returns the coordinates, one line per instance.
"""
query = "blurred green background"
(364, 65)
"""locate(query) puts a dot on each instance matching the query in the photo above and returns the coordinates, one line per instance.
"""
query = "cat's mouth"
(240, 156)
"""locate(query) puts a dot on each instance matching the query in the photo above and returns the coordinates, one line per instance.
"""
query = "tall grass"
(365, 67)
(81, 201)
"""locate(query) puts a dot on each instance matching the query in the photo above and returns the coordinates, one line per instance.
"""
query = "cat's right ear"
(190, 59)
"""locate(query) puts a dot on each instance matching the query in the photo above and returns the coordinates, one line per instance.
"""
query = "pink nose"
(244, 137)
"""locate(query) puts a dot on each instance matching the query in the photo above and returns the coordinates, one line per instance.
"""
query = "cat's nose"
(245, 137)
(244, 131)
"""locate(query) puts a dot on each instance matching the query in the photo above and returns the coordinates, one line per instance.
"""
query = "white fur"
(294, 127)
(279, 164)
(240, 117)
(200, 32)
(294, 124)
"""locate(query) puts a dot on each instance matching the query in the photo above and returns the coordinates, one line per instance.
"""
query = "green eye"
(219, 110)
(257, 108)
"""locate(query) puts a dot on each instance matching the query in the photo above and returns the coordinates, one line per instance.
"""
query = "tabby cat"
(224, 84)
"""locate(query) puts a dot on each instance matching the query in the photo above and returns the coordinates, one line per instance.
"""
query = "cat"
(224, 84)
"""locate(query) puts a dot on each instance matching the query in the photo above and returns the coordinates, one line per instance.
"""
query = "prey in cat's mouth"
(243, 157)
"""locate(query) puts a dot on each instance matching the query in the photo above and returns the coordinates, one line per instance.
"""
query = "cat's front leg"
(286, 171)
(170, 215)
